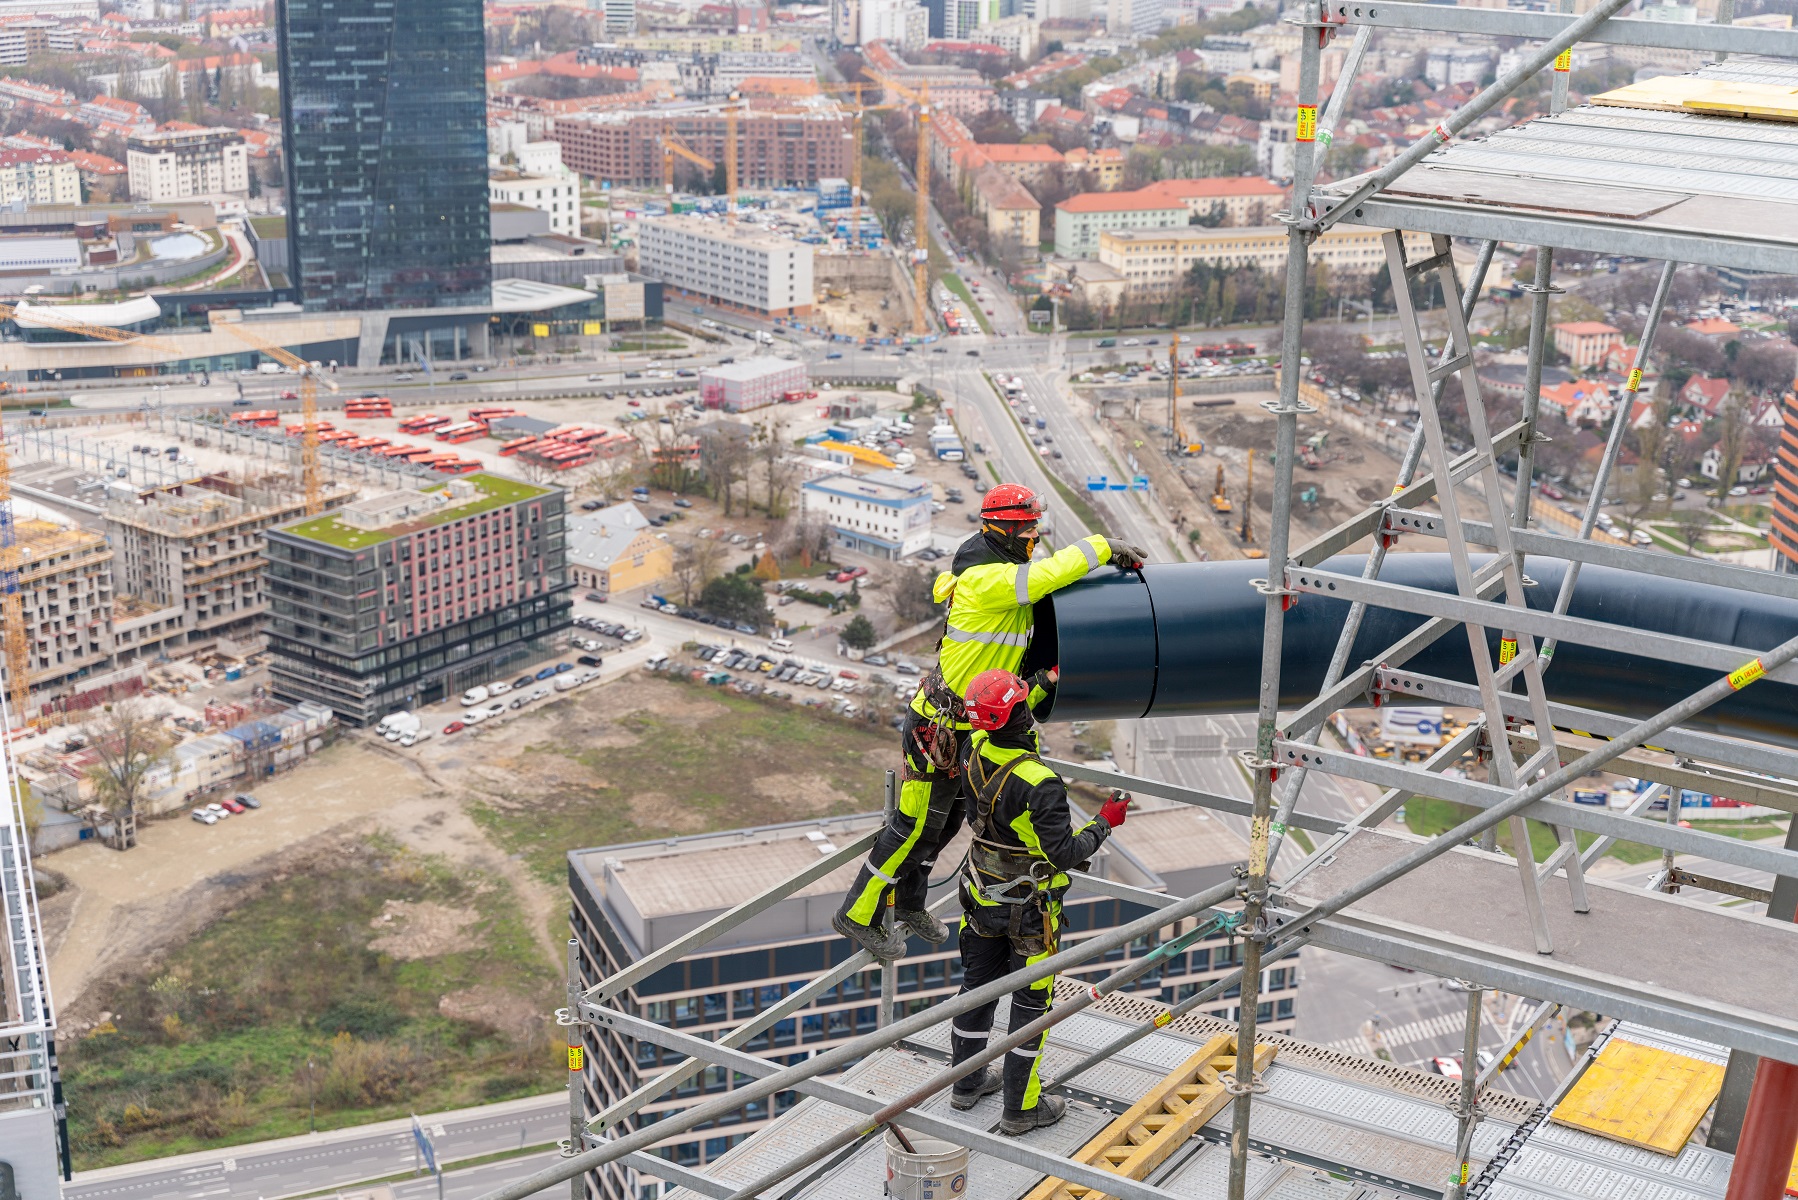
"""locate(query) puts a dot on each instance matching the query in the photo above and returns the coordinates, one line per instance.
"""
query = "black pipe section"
(1184, 639)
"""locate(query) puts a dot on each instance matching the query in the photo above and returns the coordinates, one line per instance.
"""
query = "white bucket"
(931, 1170)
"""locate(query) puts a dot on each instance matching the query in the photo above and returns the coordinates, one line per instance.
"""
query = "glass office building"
(383, 104)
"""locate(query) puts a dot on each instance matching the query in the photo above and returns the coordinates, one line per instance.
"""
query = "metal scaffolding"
(1706, 189)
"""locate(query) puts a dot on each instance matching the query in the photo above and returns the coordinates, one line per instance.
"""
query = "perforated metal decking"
(1330, 1127)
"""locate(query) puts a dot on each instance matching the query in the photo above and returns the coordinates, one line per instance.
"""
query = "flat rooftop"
(660, 890)
(494, 491)
(718, 231)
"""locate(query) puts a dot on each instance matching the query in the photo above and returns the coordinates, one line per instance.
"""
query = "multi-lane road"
(298, 1165)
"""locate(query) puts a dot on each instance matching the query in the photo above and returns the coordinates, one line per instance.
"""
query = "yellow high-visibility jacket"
(992, 614)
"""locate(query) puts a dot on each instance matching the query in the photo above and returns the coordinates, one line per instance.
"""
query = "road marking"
(1439, 1025)
(1351, 1045)
(230, 1164)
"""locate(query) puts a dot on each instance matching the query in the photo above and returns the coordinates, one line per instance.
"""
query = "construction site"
(1571, 655)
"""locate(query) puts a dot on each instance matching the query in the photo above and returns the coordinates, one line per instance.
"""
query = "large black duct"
(1185, 638)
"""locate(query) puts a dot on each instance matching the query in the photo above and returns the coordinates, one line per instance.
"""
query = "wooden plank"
(1143, 1137)
(1641, 1096)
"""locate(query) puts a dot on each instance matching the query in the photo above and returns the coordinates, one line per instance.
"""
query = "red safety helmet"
(992, 696)
(1011, 502)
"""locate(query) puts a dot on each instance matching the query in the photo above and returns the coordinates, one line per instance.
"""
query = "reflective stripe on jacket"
(1031, 813)
(992, 616)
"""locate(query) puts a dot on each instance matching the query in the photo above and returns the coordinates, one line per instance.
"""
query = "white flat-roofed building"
(740, 386)
(741, 269)
(629, 901)
(884, 514)
(558, 195)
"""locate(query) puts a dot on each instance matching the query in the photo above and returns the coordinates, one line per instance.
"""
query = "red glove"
(1114, 809)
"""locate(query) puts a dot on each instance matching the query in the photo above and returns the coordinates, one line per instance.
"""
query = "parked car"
(524, 680)
(596, 597)
(247, 800)
(204, 817)
(230, 805)
(498, 689)
(545, 673)
(474, 696)
(453, 727)
(494, 710)
(588, 660)
(682, 502)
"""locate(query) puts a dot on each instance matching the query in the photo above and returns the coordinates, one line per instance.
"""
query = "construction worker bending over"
(1011, 889)
(992, 587)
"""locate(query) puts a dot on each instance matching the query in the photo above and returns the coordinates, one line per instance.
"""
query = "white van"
(780, 645)
(474, 696)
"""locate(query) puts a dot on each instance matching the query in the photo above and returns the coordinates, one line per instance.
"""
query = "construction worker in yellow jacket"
(992, 587)
(1011, 890)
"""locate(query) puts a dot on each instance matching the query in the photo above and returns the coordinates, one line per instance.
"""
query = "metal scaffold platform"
(1698, 176)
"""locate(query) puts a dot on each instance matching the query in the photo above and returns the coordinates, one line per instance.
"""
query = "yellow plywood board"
(1641, 1096)
(1719, 97)
(1792, 1179)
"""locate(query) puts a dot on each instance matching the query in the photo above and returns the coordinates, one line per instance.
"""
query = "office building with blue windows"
(627, 901)
(384, 119)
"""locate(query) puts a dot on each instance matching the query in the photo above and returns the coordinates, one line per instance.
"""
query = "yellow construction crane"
(1182, 444)
(921, 234)
(855, 154)
(730, 160)
(12, 602)
(55, 319)
(309, 381)
(671, 146)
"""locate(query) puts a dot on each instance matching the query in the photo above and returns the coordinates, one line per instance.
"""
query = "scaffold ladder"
(1518, 657)
(1161, 1122)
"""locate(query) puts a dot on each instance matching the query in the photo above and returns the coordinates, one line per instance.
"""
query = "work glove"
(1126, 557)
(1113, 810)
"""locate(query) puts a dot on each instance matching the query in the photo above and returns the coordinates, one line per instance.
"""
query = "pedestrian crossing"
(1440, 1025)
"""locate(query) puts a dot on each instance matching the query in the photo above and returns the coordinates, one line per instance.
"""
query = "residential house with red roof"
(1704, 394)
(1585, 343)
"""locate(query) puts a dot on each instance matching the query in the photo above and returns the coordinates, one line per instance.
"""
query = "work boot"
(922, 924)
(1048, 1110)
(968, 1091)
(886, 945)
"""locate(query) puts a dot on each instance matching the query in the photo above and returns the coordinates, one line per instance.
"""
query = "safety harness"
(1003, 874)
(935, 736)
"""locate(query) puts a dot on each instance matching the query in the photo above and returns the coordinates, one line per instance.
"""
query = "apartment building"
(631, 900)
(1585, 343)
(774, 149)
(557, 195)
(189, 558)
(1221, 200)
(35, 176)
(174, 164)
(752, 272)
(408, 597)
(66, 591)
(1154, 262)
(23, 38)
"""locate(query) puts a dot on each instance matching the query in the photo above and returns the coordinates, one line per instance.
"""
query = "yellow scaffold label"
(1635, 379)
(1163, 1019)
(1746, 674)
(1306, 127)
(577, 1058)
(1507, 650)
(1564, 61)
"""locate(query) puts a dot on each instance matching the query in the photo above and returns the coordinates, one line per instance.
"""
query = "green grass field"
(211, 1046)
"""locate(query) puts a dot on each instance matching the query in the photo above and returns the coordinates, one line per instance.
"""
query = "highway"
(315, 1162)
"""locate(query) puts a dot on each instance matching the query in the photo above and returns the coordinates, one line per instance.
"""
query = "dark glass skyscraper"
(383, 104)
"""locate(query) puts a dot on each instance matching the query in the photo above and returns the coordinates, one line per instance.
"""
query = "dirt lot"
(395, 917)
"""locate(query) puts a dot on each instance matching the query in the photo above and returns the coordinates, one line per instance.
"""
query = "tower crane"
(1182, 445)
(857, 112)
(671, 146)
(12, 601)
(921, 234)
(309, 381)
(53, 317)
(730, 159)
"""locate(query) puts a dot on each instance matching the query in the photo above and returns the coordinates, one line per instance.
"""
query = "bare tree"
(779, 471)
(1692, 523)
(1731, 442)
(696, 564)
(129, 744)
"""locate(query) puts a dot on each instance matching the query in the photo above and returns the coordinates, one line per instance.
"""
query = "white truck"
(395, 726)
